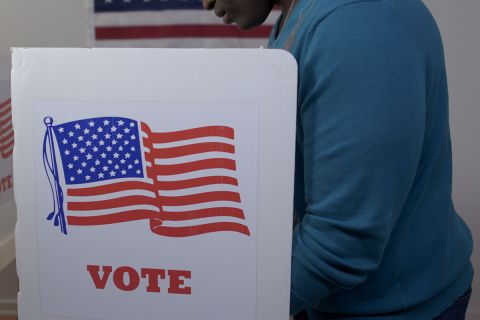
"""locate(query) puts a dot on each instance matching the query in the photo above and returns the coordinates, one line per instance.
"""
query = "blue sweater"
(378, 236)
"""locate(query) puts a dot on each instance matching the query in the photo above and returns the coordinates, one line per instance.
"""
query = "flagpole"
(59, 216)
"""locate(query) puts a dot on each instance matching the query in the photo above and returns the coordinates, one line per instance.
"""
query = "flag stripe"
(5, 121)
(5, 111)
(218, 163)
(120, 217)
(200, 198)
(167, 153)
(210, 131)
(7, 154)
(196, 182)
(112, 203)
(103, 6)
(7, 137)
(197, 229)
(179, 31)
(203, 213)
(109, 188)
(4, 103)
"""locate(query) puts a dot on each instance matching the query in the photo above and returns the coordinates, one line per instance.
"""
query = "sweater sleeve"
(360, 134)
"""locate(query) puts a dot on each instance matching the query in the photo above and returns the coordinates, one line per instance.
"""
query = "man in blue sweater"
(378, 236)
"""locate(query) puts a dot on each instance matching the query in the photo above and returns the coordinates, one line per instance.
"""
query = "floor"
(8, 317)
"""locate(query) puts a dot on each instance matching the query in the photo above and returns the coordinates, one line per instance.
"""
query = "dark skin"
(245, 13)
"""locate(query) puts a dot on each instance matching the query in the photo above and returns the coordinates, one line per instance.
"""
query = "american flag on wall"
(170, 24)
(6, 129)
(116, 170)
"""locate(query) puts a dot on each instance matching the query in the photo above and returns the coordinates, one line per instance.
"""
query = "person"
(377, 234)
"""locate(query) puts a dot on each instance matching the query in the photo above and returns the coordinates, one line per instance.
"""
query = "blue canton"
(99, 149)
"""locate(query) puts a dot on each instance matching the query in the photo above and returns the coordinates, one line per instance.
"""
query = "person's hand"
(208, 4)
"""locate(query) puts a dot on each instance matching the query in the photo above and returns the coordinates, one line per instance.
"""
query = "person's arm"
(362, 90)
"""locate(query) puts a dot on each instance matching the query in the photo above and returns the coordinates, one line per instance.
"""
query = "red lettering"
(119, 278)
(153, 276)
(100, 283)
(177, 279)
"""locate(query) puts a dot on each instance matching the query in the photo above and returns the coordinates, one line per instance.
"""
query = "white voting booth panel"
(7, 207)
(154, 184)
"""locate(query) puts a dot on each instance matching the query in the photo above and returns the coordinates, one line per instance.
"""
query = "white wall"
(65, 23)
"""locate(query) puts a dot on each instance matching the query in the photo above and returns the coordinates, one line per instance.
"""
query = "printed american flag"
(6, 129)
(117, 170)
(170, 23)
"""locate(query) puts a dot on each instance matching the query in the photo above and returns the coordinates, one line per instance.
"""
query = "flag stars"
(97, 162)
(95, 149)
(89, 156)
(67, 152)
(72, 179)
(94, 136)
(88, 143)
(103, 155)
(77, 126)
(117, 167)
(114, 142)
(84, 164)
(80, 138)
(99, 129)
(70, 134)
(100, 175)
(122, 161)
(107, 136)
(105, 168)
(138, 171)
(119, 136)
(92, 169)
(112, 173)
(116, 155)
(109, 148)
(113, 129)
(64, 141)
(75, 158)
(86, 131)
(109, 161)
(132, 137)
(106, 122)
(79, 171)
(70, 166)
(101, 142)
(123, 172)
(120, 123)
(129, 166)
(126, 130)
(74, 145)
(132, 124)
(82, 150)
(91, 124)
(132, 149)
(120, 148)
(136, 161)
(87, 178)
(126, 142)
(61, 130)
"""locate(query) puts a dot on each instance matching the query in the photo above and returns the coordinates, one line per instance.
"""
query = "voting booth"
(7, 207)
(154, 184)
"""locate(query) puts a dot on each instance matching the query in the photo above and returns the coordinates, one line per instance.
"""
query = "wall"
(64, 23)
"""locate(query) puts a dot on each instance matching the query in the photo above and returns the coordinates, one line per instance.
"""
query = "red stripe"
(7, 146)
(190, 149)
(3, 104)
(192, 166)
(179, 31)
(110, 188)
(197, 182)
(5, 121)
(7, 137)
(112, 218)
(112, 203)
(195, 230)
(203, 213)
(200, 198)
(6, 111)
(165, 137)
(7, 154)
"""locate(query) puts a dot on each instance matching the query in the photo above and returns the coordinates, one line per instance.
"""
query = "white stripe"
(164, 18)
(7, 116)
(192, 141)
(196, 222)
(195, 157)
(185, 43)
(109, 182)
(206, 205)
(93, 213)
(9, 141)
(113, 195)
(196, 190)
(197, 174)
